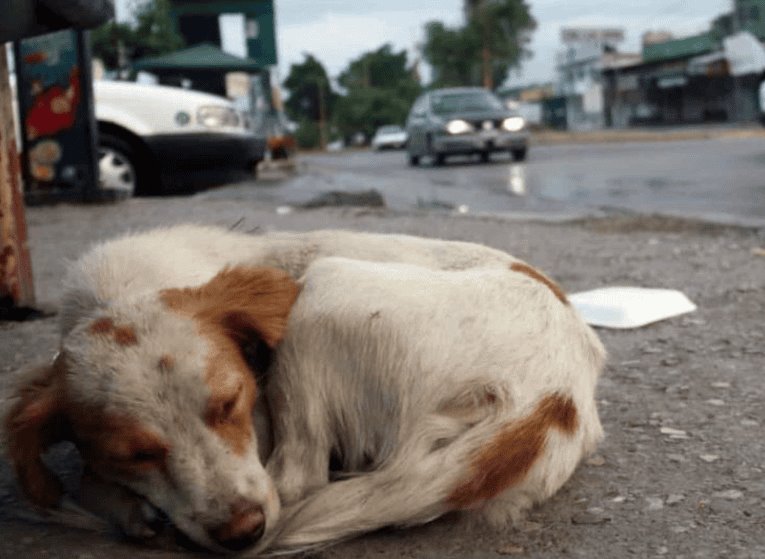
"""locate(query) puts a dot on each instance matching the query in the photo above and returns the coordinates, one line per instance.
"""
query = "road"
(718, 179)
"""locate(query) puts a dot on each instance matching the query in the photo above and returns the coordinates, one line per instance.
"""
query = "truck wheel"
(120, 166)
(519, 154)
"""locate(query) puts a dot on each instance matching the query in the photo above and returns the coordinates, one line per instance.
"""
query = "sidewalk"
(646, 134)
(680, 473)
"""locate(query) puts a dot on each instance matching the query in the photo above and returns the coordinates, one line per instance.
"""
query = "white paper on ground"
(630, 307)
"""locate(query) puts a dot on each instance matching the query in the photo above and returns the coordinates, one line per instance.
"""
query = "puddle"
(516, 180)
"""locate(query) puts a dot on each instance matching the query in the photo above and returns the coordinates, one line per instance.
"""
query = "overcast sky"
(336, 31)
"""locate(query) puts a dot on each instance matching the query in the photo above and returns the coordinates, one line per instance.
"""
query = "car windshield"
(390, 130)
(464, 101)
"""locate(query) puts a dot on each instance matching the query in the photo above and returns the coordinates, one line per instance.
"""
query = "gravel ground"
(680, 473)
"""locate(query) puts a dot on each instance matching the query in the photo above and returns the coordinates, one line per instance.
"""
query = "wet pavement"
(720, 179)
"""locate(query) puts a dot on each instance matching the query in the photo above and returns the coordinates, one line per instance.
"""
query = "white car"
(155, 139)
(389, 137)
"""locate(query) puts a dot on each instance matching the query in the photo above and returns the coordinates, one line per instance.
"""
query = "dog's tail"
(484, 462)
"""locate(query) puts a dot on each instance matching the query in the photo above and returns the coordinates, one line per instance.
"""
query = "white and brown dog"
(402, 378)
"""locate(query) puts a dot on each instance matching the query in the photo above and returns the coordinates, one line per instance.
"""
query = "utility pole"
(488, 75)
(322, 114)
(16, 286)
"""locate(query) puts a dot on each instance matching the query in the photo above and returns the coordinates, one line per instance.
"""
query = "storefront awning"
(205, 57)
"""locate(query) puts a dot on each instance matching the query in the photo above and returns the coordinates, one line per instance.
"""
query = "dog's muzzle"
(244, 528)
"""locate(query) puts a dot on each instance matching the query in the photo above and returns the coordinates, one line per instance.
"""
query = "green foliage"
(308, 134)
(453, 53)
(381, 68)
(309, 87)
(498, 33)
(365, 110)
(381, 88)
(151, 33)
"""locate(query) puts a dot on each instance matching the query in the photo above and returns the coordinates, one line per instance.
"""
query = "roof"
(200, 57)
(679, 48)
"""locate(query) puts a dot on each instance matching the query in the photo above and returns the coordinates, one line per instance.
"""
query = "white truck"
(155, 139)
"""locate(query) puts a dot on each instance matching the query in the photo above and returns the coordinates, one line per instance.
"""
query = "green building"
(198, 23)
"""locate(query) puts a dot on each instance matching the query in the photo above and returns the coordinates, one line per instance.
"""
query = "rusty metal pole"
(16, 285)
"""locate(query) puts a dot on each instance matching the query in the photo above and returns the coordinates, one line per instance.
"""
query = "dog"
(283, 391)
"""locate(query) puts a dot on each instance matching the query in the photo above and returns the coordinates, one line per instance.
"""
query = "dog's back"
(439, 390)
(189, 255)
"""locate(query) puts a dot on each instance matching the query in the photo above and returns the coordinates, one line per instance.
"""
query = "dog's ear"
(244, 301)
(34, 423)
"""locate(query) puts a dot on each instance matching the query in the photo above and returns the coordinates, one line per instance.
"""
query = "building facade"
(579, 70)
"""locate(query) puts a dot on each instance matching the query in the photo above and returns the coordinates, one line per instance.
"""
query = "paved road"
(721, 179)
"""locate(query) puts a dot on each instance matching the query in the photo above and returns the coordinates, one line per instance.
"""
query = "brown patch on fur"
(536, 275)
(232, 393)
(34, 423)
(115, 443)
(122, 335)
(242, 301)
(167, 362)
(125, 336)
(101, 326)
(45, 415)
(506, 459)
(238, 306)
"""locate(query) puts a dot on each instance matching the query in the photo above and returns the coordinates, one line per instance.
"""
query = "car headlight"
(513, 124)
(217, 117)
(458, 127)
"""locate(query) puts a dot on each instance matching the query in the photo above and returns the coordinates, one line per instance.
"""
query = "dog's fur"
(398, 378)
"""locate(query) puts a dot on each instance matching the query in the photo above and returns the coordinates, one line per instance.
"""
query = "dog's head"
(158, 394)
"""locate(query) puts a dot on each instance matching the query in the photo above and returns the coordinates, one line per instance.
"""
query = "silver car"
(463, 121)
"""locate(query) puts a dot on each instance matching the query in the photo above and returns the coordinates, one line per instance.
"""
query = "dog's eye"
(228, 407)
(221, 411)
(148, 456)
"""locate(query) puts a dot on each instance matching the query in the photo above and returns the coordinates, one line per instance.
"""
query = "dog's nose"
(244, 528)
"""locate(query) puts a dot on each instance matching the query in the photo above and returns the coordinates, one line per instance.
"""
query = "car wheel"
(439, 159)
(485, 156)
(414, 160)
(119, 166)
(519, 154)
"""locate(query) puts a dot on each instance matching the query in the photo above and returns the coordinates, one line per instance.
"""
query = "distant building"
(579, 67)
(654, 37)
(709, 77)
(529, 101)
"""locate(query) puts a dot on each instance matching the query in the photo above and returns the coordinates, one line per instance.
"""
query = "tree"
(311, 98)
(381, 88)
(151, 33)
(381, 68)
(365, 110)
(482, 52)
(452, 53)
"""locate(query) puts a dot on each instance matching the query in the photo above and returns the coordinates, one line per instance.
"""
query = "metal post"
(16, 285)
